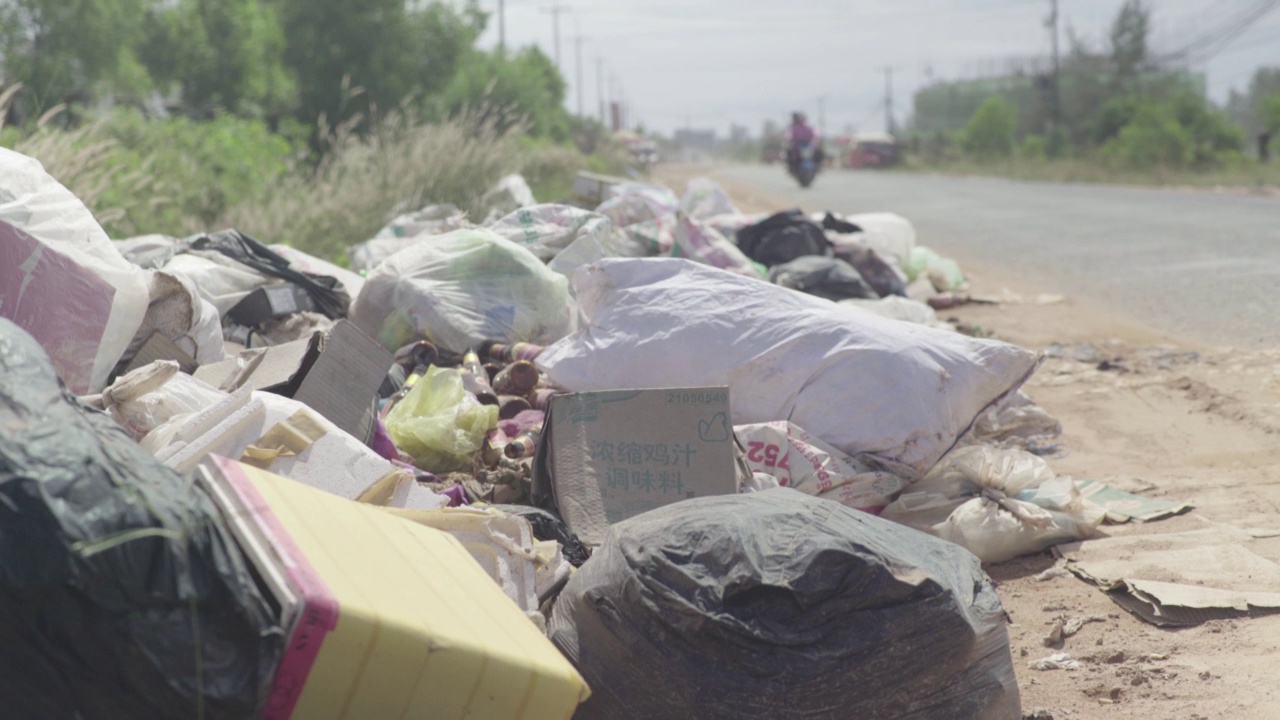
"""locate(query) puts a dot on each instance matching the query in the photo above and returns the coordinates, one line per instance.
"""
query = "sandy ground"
(1197, 428)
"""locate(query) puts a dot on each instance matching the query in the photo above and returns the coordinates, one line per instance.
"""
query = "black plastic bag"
(829, 278)
(122, 594)
(783, 237)
(875, 271)
(835, 224)
(326, 292)
(779, 605)
(549, 526)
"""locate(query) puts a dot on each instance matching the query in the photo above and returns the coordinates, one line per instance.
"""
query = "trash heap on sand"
(652, 457)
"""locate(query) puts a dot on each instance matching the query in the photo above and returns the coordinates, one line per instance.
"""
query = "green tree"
(384, 47)
(1153, 139)
(991, 131)
(66, 50)
(225, 54)
(513, 88)
(1269, 115)
(1129, 34)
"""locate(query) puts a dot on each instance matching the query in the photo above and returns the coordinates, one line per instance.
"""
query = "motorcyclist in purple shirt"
(799, 134)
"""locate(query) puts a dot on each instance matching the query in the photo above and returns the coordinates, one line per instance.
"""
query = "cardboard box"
(271, 301)
(337, 375)
(385, 618)
(160, 347)
(608, 456)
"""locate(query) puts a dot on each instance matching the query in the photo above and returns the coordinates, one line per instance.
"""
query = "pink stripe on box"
(320, 607)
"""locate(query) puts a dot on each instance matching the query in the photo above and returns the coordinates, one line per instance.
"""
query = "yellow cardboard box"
(388, 618)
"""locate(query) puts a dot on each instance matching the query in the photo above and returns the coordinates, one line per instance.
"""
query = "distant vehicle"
(773, 151)
(871, 150)
(805, 163)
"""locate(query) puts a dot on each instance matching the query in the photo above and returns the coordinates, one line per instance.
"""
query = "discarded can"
(476, 380)
(524, 444)
(513, 352)
(400, 394)
(518, 378)
(412, 355)
(510, 406)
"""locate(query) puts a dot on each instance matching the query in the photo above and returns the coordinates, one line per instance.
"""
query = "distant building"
(703, 141)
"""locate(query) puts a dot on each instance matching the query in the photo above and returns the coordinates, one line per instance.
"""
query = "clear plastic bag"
(463, 288)
(704, 198)
(439, 423)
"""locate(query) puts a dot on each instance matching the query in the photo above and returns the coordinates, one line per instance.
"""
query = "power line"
(555, 9)
(577, 41)
(1219, 38)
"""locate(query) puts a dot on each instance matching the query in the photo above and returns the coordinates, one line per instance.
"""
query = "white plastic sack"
(888, 393)
(799, 460)
(656, 236)
(729, 225)
(1018, 422)
(430, 220)
(178, 312)
(633, 203)
(889, 234)
(697, 241)
(302, 262)
(217, 278)
(997, 503)
(149, 251)
(403, 232)
(155, 394)
(896, 307)
(462, 289)
(704, 198)
(509, 194)
(546, 230)
(61, 278)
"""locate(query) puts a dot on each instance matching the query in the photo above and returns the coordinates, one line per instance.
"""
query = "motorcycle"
(804, 163)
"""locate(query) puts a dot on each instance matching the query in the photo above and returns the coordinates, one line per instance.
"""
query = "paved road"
(1197, 265)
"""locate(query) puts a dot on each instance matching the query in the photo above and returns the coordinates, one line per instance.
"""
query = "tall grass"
(365, 178)
(320, 203)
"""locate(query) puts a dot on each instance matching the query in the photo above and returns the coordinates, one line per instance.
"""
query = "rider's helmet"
(797, 118)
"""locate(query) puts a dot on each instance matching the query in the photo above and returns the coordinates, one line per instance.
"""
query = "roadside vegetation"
(183, 116)
(1118, 113)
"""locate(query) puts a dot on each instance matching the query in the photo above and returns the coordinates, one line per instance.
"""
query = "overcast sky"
(710, 63)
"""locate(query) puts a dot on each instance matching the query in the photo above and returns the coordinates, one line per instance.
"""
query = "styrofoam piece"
(336, 463)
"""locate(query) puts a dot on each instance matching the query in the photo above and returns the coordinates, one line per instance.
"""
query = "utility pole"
(888, 99)
(600, 86)
(1055, 98)
(577, 41)
(555, 11)
(502, 27)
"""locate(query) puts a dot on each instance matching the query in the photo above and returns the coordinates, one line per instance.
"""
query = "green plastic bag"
(439, 423)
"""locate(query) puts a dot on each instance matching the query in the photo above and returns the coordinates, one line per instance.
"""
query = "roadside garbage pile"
(621, 456)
